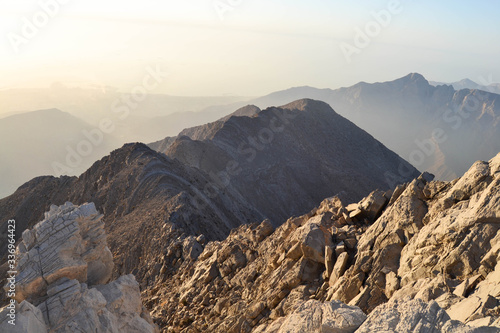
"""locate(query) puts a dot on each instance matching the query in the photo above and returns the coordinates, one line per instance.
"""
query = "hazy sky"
(244, 47)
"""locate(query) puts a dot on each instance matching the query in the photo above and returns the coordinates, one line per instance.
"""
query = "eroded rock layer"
(64, 268)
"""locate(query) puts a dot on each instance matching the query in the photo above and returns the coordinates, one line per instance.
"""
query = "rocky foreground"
(63, 284)
(421, 258)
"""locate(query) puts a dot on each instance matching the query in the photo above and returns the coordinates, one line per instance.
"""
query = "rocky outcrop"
(257, 275)
(70, 242)
(27, 319)
(63, 267)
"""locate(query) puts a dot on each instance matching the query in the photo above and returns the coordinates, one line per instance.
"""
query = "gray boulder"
(316, 317)
(415, 315)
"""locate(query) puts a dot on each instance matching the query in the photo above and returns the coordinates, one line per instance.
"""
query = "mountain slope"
(297, 155)
(141, 192)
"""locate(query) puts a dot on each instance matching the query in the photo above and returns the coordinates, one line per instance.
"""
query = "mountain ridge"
(403, 114)
(260, 135)
(142, 192)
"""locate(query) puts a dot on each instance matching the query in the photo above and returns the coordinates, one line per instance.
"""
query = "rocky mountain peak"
(307, 104)
(246, 111)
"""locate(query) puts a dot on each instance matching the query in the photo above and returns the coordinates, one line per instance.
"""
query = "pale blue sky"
(259, 47)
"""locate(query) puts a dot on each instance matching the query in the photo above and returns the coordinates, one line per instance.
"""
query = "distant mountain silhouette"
(403, 114)
(469, 84)
(34, 142)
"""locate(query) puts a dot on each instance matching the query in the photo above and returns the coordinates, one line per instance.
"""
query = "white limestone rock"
(316, 317)
(70, 242)
(415, 315)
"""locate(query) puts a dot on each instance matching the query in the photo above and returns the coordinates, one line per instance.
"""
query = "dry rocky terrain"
(147, 197)
(421, 258)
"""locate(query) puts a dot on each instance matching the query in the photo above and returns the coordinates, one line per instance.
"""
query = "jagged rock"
(329, 261)
(372, 205)
(391, 284)
(191, 249)
(316, 317)
(65, 250)
(114, 307)
(379, 248)
(467, 285)
(255, 310)
(313, 239)
(415, 316)
(339, 268)
(457, 234)
(472, 308)
(70, 242)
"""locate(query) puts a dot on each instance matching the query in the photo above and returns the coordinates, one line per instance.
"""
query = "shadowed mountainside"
(297, 155)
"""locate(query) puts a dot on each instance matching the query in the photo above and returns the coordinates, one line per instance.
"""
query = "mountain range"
(272, 219)
(303, 152)
(469, 84)
(47, 142)
(439, 129)
(435, 128)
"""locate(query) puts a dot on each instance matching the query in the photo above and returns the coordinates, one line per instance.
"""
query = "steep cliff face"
(63, 282)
